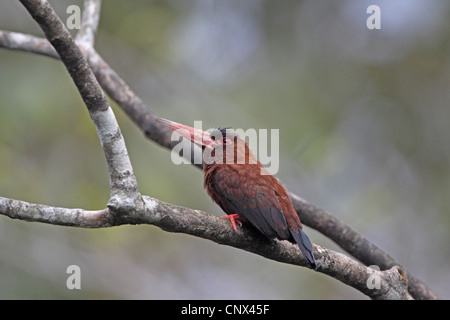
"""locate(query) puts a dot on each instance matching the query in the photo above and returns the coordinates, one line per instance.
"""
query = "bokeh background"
(364, 129)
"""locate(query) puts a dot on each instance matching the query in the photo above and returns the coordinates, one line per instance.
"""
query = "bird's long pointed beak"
(197, 136)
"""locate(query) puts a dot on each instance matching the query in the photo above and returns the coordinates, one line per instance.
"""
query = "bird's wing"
(253, 198)
(264, 202)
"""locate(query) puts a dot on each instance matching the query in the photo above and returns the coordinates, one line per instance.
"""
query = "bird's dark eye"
(226, 140)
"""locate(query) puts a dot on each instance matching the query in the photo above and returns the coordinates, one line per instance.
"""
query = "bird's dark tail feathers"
(305, 246)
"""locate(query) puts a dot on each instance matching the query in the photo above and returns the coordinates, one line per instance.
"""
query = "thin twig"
(89, 22)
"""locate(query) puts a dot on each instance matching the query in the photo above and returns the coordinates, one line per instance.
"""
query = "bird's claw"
(234, 218)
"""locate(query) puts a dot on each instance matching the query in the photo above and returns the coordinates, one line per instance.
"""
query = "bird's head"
(219, 145)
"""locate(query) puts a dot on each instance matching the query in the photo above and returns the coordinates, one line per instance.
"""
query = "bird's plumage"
(252, 197)
(250, 191)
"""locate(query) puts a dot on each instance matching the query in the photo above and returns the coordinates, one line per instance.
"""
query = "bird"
(243, 188)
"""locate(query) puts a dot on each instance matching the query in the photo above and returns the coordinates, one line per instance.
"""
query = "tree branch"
(392, 284)
(28, 43)
(124, 186)
(26, 211)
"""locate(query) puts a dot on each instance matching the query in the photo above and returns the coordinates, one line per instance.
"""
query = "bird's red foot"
(234, 218)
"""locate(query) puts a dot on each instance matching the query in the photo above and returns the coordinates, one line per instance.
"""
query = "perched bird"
(243, 188)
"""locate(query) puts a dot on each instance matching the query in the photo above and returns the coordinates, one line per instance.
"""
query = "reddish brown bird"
(243, 188)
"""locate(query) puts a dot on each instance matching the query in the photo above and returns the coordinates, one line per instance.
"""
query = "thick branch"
(22, 210)
(171, 218)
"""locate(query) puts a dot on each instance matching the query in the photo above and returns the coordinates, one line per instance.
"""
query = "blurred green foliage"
(363, 118)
